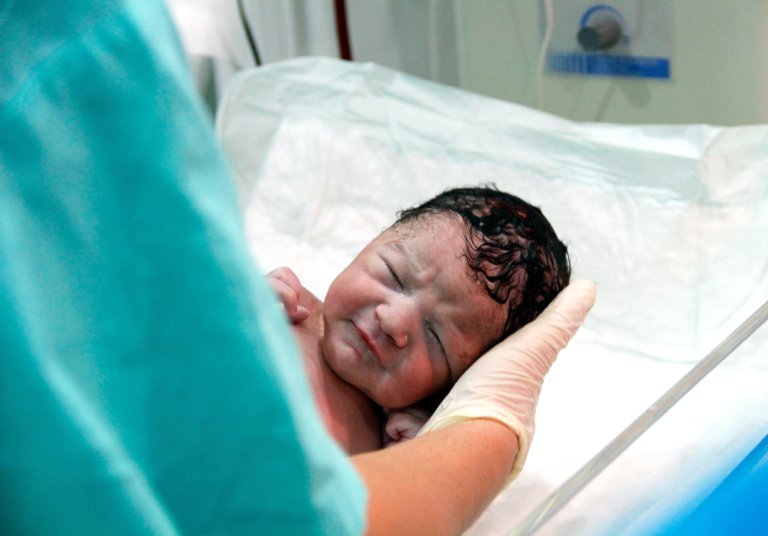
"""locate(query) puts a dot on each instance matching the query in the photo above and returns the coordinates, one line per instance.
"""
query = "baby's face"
(407, 317)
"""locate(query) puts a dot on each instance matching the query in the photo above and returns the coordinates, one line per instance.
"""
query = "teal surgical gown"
(148, 380)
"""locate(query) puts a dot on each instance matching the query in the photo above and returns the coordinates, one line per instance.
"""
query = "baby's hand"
(403, 424)
(288, 288)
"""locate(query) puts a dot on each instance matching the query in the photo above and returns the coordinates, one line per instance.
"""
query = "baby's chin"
(391, 400)
(322, 325)
(327, 346)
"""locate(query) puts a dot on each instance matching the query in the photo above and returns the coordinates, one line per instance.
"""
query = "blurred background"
(670, 62)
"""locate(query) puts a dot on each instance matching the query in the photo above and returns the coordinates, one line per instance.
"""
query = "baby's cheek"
(425, 378)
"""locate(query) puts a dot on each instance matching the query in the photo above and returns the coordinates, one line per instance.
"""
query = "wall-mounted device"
(623, 38)
(601, 28)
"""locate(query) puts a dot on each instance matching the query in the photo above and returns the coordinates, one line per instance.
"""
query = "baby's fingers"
(404, 425)
(287, 276)
(289, 294)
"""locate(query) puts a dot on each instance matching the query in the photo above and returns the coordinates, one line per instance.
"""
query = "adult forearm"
(439, 483)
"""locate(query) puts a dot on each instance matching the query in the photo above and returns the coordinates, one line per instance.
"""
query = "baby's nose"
(396, 322)
(400, 340)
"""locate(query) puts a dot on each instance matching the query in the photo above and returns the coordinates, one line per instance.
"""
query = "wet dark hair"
(511, 247)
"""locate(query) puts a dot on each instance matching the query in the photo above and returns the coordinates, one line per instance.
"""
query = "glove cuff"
(524, 433)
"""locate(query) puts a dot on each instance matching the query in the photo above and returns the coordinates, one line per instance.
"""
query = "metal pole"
(602, 459)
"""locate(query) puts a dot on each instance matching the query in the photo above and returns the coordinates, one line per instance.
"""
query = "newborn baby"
(417, 306)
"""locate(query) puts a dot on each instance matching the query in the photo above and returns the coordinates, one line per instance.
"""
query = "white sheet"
(670, 221)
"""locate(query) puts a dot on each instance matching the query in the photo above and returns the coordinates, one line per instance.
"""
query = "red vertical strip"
(342, 30)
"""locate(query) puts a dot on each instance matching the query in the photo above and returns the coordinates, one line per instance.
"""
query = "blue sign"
(607, 64)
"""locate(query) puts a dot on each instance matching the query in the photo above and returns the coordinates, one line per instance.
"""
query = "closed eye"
(437, 338)
(434, 334)
(393, 274)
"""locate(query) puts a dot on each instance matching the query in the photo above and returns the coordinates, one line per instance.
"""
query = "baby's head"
(444, 283)
(510, 247)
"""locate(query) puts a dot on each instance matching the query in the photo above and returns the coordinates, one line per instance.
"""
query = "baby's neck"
(352, 418)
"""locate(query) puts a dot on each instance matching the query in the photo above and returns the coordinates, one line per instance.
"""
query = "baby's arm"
(288, 288)
(404, 424)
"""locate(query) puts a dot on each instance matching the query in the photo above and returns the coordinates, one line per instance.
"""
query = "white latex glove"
(504, 384)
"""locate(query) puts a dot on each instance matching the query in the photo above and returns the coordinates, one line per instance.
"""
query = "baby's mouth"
(370, 343)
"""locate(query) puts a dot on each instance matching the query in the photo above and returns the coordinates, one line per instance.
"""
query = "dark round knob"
(601, 31)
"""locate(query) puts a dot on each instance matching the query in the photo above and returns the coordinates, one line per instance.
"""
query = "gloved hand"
(504, 384)
(288, 288)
